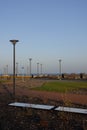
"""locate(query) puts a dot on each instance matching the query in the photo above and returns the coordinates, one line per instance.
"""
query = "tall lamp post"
(6, 69)
(23, 73)
(14, 43)
(37, 69)
(60, 67)
(41, 68)
(30, 59)
(16, 68)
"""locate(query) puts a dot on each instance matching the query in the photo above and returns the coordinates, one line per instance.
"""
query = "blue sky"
(47, 30)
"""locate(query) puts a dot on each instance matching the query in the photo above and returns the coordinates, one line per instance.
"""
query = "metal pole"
(60, 67)
(23, 74)
(14, 70)
(41, 68)
(14, 42)
(37, 69)
(30, 65)
(7, 69)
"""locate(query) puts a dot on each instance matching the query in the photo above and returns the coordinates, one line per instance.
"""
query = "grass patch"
(62, 86)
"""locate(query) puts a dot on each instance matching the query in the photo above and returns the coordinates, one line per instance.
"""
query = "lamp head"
(14, 41)
(30, 58)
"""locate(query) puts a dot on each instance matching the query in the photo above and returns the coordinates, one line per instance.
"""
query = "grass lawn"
(62, 86)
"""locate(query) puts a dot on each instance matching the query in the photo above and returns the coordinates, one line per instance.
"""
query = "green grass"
(62, 86)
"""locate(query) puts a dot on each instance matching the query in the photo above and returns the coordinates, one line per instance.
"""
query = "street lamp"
(41, 68)
(6, 69)
(30, 59)
(60, 67)
(22, 73)
(14, 43)
(37, 69)
(16, 68)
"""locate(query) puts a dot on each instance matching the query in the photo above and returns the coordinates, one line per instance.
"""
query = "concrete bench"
(49, 107)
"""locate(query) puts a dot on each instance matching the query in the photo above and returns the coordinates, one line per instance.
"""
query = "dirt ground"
(14, 118)
(23, 88)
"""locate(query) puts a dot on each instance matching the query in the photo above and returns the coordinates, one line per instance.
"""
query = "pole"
(7, 69)
(37, 69)
(14, 42)
(60, 67)
(14, 70)
(41, 68)
(17, 69)
(30, 66)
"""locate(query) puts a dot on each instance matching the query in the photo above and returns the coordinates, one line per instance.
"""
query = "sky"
(47, 30)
